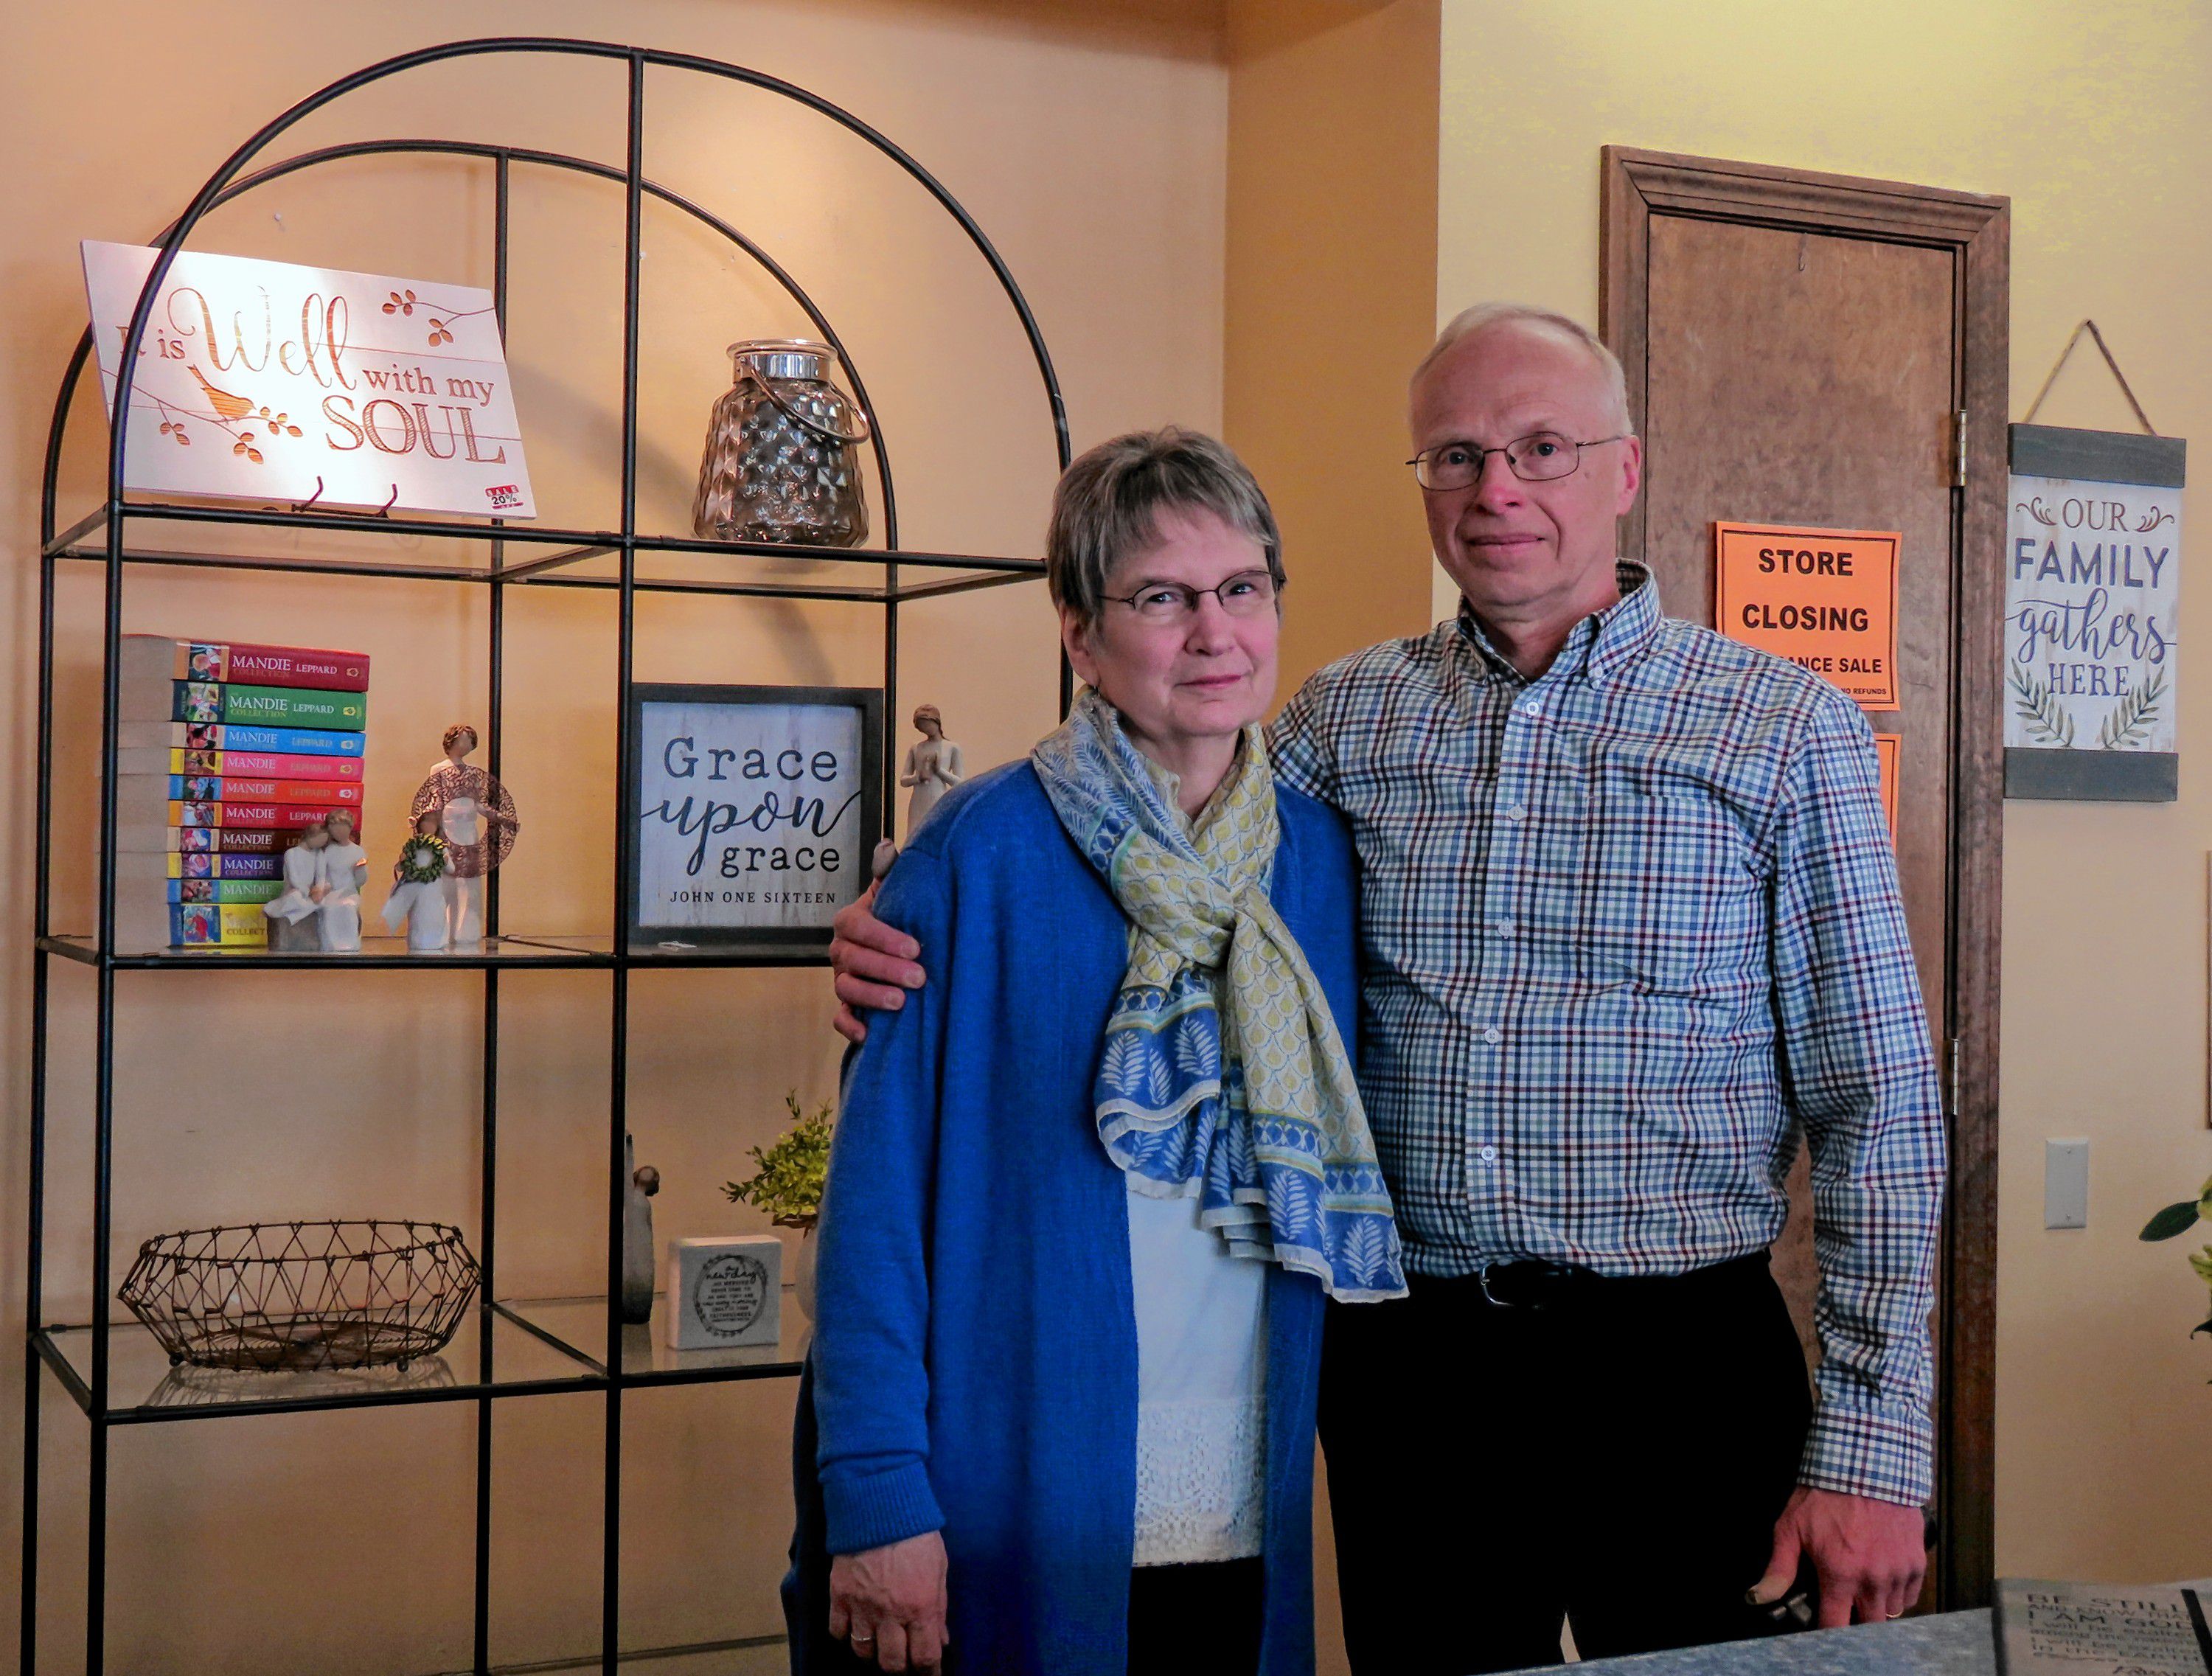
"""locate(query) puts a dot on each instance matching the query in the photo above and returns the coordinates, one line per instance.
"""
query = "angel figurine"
(476, 819)
(416, 901)
(932, 766)
(294, 921)
(345, 872)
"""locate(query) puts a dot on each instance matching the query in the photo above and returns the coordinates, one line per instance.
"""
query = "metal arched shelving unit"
(509, 1348)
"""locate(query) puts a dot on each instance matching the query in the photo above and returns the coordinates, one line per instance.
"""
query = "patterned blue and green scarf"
(1246, 1103)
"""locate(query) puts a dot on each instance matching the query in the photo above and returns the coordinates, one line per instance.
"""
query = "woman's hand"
(889, 1602)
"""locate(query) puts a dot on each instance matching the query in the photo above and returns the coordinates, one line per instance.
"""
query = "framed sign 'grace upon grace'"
(755, 812)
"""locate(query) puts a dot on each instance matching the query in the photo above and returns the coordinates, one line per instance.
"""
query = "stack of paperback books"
(225, 755)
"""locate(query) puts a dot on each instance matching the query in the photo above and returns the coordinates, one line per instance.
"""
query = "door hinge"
(1958, 1076)
(1958, 457)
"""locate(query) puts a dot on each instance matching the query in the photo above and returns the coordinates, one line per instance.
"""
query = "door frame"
(1977, 230)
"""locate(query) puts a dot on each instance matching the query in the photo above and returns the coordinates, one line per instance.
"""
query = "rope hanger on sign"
(2090, 326)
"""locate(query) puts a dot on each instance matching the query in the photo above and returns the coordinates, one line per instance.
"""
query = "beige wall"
(2093, 120)
(1332, 244)
(1090, 139)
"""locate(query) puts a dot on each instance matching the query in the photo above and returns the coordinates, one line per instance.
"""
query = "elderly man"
(1630, 922)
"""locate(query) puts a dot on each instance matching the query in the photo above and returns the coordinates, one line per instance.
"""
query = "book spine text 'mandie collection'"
(252, 764)
(166, 735)
(156, 656)
(251, 788)
(216, 702)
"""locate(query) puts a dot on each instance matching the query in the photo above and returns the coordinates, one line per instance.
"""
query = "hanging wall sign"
(755, 812)
(266, 382)
(2093, 581)
(1825, 599)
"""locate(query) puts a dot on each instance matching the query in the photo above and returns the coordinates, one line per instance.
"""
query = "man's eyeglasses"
(1538, 457)
(1247, 593)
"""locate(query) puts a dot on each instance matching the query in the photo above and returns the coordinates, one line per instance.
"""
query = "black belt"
(1534, 1284)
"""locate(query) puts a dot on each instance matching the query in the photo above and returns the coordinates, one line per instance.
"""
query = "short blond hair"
(1486, 316)
(1111, 497)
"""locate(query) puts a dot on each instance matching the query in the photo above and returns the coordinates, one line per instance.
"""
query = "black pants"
(1203, 1620)
(1617, 1457)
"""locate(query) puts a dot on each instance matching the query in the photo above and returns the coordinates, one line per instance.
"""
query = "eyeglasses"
(1247, 593)
(1538, 457)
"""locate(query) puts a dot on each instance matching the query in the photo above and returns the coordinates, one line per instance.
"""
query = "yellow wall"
(1090, 139)
(2093, 119)
(1332, 246)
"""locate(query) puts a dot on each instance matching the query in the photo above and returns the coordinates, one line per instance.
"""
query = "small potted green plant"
(2178, 1219)
(786, 1182)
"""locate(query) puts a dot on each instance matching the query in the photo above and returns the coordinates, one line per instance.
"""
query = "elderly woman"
(1091, 1184)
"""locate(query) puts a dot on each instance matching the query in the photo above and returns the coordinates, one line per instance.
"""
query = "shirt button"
(1493, 1036)
(1505, 928)
(1488, 1155)
(1517, 813)
(1535, 707)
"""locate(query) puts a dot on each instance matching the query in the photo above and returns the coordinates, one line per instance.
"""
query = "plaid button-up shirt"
(1627, 929)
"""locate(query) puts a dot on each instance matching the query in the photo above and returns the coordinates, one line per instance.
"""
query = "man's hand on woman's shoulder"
(875, 965)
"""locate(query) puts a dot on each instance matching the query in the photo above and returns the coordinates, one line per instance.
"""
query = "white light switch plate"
(2066, 1184)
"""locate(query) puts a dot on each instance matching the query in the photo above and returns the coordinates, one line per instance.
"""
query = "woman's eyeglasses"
(1247, 593)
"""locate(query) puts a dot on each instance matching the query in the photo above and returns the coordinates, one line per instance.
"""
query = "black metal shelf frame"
(513, 556)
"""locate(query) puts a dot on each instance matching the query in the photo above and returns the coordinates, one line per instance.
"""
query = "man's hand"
(875, 965)
(889, 1602)
(1870, 1555)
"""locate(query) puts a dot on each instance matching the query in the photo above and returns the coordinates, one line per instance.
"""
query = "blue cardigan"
(975, 1367)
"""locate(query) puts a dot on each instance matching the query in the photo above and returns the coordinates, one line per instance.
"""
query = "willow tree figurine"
(476, 819)
(933, 766)
(416, 901)
(344, 874)
(294, 928)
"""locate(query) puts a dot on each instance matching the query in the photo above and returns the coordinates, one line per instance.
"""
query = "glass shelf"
(391, 953)
(272, 538)
(580, 1325)
(375, 953)
(142, 1386)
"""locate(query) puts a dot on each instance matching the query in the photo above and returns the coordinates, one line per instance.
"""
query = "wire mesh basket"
(280, 1297)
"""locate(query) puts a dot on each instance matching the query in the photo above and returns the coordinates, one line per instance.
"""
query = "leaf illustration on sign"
(2044, 717)
(442, 317)
(2152, 518)
(2036, 510)
(2132, 716)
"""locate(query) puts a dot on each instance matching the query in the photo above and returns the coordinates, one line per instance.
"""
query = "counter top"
(1955, 1643)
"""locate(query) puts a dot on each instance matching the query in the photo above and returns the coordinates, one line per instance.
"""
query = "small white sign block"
(725, 1292)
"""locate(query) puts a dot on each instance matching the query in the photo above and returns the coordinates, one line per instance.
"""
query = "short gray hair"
(1108, 504)
(1485, 315)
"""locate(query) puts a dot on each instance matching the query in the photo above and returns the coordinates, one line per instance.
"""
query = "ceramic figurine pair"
(463, 827)
(320, 906)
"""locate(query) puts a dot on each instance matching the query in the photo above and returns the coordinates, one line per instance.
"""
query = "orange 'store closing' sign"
(1825, 599)
(1885, 747)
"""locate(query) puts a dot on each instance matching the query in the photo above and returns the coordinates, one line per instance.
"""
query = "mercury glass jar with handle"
(782, 456)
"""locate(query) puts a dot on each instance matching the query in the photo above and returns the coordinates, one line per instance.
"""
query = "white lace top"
(1201, 1389)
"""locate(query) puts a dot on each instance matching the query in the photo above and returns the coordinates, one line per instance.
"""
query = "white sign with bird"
(270, 382)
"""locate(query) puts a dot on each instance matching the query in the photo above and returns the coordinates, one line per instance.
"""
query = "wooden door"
(1810, 350)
